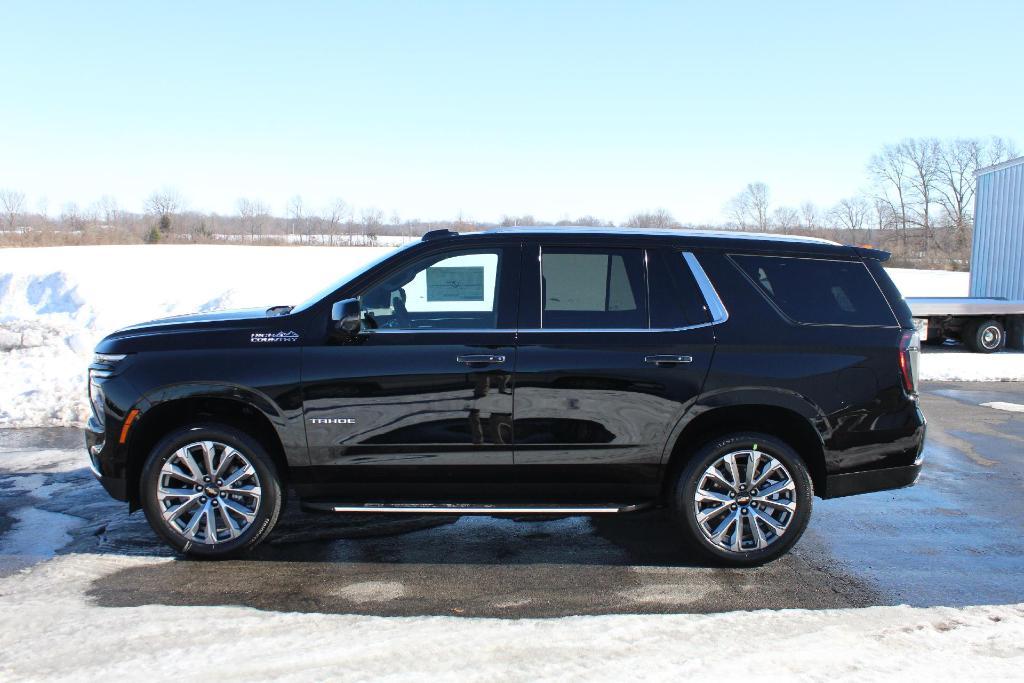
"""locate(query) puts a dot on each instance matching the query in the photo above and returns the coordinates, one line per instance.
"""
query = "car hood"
(199, 319)
(215, 329)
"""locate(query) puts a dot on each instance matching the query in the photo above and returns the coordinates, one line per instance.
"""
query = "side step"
(474, 508)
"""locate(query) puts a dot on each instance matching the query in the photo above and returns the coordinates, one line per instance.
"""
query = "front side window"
(448, 292)
(821, 291)
(593, 289)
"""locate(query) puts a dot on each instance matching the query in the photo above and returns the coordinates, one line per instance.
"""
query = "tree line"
(917, 202)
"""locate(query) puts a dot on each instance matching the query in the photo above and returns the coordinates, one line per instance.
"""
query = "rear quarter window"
(818, 291)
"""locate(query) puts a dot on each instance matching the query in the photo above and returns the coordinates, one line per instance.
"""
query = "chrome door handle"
(668, 360)
(482, 359)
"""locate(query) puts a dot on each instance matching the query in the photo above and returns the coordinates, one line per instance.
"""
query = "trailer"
(992, 317)
(985, 325)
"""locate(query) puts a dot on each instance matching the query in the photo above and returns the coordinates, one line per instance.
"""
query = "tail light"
(910, 359)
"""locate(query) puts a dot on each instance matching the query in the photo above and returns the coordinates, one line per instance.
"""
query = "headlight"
(97, 399)
(107, 358)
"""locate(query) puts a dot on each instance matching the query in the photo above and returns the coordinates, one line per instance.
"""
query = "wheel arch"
(164, 413)
(783, 422)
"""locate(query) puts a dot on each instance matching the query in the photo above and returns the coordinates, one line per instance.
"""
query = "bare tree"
(107, 210)
(999, 150)
(13, 204)
(809, 216)
(660, 218)
(337, 213)
(882, 214)
(922, 156)
(297, 216)
(372, 220)
(890, 173)
(851, 214)
(164, 204)
(786, 218)
(254, 214)
(750, 207)
(958, 160)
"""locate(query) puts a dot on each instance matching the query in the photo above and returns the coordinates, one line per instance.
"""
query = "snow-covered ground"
(56, 303)
(50, 628)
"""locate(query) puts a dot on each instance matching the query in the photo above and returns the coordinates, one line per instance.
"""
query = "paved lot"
(957, 538)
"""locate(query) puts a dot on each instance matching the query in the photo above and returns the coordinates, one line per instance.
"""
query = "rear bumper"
(852, 483)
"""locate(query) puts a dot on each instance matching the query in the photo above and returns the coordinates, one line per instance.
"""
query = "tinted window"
(819, 291)
(593, 288)
(440, 292)
(675, 299)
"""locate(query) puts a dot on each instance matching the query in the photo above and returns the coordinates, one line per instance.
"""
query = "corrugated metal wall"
(997, 263)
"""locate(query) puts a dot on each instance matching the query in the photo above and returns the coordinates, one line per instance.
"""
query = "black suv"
(726, 377)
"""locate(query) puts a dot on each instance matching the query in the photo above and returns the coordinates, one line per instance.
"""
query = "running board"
(474, 509)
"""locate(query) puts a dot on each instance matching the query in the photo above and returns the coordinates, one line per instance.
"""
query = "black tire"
(268, 509)
(985, 336)
(683, 508)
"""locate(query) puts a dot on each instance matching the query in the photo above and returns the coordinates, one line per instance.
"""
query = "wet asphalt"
(956, 538)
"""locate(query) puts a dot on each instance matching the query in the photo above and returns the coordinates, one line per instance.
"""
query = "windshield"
(351, 276)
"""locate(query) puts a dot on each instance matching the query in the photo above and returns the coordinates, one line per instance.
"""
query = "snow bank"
(56, 303)
(957, 364)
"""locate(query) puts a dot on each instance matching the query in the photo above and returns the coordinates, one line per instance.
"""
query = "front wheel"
(211, 491)
(743, 499)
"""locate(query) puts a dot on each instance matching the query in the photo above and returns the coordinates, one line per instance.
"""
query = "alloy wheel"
(745, 500)
(208, 492)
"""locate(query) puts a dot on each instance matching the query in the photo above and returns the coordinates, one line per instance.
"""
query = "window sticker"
(455, 283)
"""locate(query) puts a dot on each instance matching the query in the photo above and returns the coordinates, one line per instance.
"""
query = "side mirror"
(346, 316)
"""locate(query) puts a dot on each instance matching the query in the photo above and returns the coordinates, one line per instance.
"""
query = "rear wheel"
(211, 491)
(986, 336)
(743, 499)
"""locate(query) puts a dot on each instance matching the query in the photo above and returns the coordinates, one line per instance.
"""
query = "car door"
(614, 345)
(418, 404)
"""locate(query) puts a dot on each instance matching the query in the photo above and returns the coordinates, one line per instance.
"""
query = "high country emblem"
(332, 420)
(273, 337)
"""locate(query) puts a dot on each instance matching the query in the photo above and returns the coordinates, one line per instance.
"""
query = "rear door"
(614, 345)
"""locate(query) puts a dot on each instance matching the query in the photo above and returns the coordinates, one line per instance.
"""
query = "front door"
(418, 405)
(614, 347)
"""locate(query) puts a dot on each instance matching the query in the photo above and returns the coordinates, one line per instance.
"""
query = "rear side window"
(593, 288)
(818, 291)
(675, 299)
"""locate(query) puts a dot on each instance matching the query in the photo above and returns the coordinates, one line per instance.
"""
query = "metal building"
(997, 262)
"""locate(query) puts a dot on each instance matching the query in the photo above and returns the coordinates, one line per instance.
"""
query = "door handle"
(482, 359)
(668, 360)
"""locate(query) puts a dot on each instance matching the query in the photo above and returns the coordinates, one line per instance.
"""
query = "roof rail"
(438, 234)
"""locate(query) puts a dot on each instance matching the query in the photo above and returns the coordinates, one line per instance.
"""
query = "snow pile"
(56, 303)
(957, 364)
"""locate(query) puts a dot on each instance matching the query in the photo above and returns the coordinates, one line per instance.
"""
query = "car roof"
(659, 232)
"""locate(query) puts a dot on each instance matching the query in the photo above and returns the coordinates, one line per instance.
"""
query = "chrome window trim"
(717, 309)
(719, 313)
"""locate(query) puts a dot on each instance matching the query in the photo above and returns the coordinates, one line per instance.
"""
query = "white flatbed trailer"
(985, 325)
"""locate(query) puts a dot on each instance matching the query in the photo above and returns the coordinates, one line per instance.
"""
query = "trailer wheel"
(986, 336)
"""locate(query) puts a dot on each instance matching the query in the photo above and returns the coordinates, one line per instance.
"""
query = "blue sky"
(430, 109)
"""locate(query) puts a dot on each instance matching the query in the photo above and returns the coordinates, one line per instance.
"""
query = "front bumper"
(104, 460)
